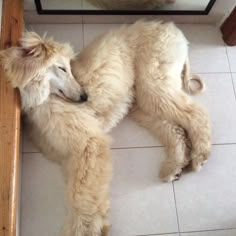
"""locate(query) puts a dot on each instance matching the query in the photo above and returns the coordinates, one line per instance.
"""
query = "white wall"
(222, 9)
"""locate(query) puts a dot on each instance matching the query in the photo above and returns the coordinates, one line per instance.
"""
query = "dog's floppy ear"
(25, 62)
(37, 46)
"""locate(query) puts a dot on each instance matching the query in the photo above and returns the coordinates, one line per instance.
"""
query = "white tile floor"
(200, 204)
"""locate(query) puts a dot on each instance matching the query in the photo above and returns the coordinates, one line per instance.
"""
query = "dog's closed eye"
(61, 68)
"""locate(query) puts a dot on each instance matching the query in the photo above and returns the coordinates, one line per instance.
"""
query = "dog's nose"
(83, 97)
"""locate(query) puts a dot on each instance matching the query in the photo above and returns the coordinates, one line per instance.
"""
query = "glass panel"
(170, 5)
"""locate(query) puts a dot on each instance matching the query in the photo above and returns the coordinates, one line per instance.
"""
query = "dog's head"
(40, 67)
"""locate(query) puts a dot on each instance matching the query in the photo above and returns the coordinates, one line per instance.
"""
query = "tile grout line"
(211, 73)
(155, 146)
(161, 146)
(226, 51)
(231, 73)
(207, 230)
(176, 209)
(233, 85)
(190, 231)
(222, 144)
(144, 147)
(172, 233)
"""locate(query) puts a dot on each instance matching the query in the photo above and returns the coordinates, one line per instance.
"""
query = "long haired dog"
(147, 64)
(130, 4)
(66, 132)
(143, 68)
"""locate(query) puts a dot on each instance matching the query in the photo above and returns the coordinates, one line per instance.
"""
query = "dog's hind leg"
(175, 140)
(173, 105)
(88, 175)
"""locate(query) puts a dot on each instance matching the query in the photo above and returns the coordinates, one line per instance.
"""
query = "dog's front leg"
(88, 175)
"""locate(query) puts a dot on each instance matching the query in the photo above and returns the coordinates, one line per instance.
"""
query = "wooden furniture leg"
(228, 29)
(12, 26)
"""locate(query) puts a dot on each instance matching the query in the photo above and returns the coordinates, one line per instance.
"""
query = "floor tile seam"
(176, 207)
(231, 73)
(140, 147)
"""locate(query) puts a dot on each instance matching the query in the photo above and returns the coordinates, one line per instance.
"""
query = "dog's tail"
(192, 84)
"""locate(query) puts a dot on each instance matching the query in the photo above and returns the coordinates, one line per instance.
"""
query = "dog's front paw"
(170, 171)
(105, 230)
(198, 162)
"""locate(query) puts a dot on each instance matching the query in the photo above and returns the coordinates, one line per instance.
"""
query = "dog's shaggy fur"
(65, 132)
(146, 64)
(143, 68)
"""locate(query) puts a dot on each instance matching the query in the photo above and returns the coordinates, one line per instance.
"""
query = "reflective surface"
(145, 5)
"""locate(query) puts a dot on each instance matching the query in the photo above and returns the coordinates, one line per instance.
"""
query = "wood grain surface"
(11, 30)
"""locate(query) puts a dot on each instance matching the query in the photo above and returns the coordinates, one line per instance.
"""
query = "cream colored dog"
(63, 128)
(146, 64)
(143, 67)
